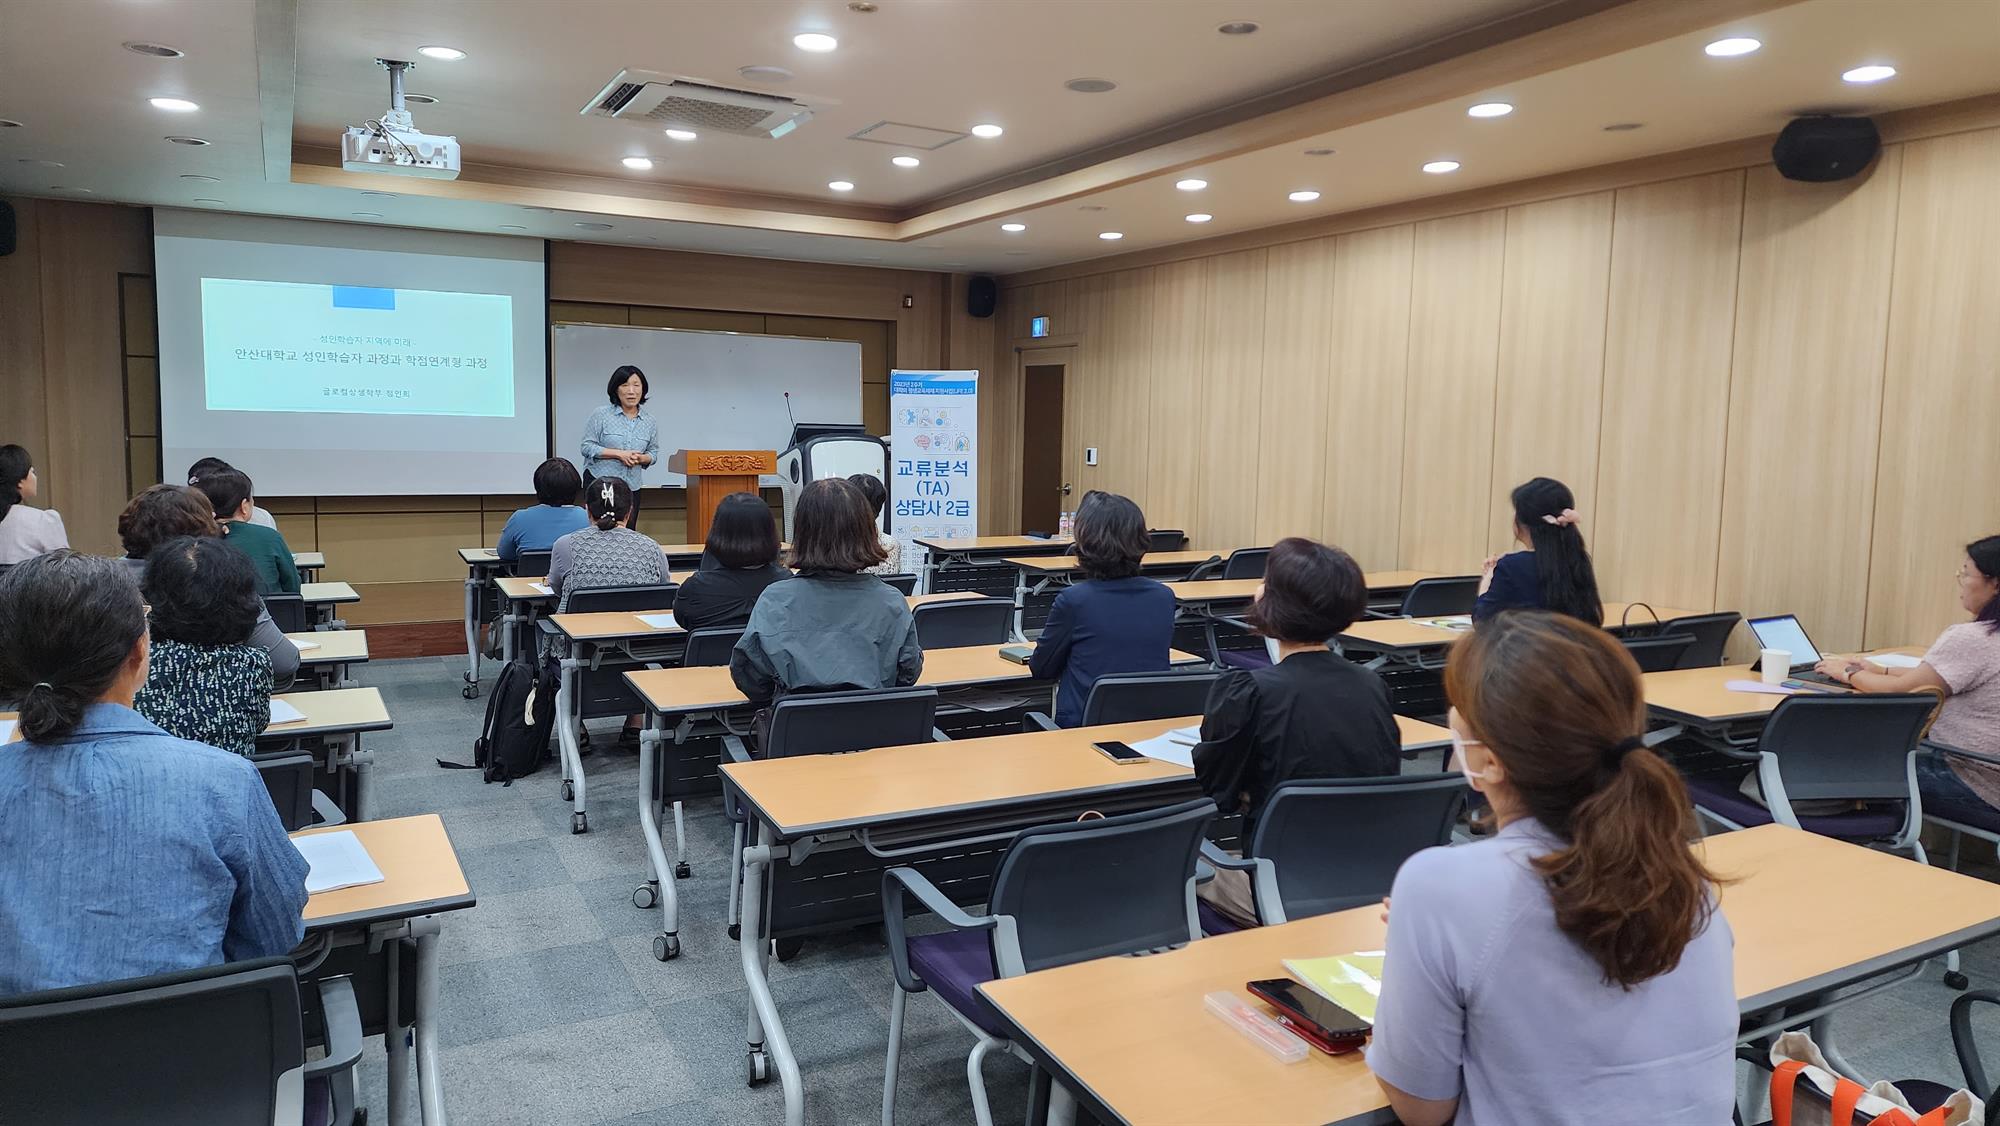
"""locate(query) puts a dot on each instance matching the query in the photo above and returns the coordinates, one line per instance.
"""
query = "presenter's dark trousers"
(632, 521)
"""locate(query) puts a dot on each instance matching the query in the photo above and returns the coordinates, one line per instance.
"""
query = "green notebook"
(1352, 981)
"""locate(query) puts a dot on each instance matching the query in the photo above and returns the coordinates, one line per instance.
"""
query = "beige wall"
(1768, 396)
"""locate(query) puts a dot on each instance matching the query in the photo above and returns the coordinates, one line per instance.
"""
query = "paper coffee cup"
(1777, 665)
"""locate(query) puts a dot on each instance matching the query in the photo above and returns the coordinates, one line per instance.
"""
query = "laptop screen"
(1785, 633)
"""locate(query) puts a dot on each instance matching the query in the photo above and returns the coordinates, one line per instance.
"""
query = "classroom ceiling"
(1384, 84)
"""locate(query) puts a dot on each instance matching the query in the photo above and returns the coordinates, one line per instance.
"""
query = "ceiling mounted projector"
(392, 144)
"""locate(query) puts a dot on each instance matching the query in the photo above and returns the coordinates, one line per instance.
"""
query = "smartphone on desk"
(1317, 1021)
(1018, 654)
(1120, 753)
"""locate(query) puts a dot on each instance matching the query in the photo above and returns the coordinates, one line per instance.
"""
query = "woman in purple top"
(1571, 970)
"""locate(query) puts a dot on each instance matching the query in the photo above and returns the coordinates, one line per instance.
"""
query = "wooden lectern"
(714, 474)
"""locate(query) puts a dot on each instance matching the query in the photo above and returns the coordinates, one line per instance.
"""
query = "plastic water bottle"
(1063, 528)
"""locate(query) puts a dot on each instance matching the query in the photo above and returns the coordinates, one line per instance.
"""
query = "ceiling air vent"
(644, 97)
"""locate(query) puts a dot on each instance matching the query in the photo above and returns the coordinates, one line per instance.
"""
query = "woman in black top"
(739, 560)
(1313, 714)
(1554, 573)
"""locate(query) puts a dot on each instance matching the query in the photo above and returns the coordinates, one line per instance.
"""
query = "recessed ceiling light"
(1090, 207)
(1238, 27)
(200, 179)
(195, 141)
(379, 195)
(1490, 109)
(771, 75)
(9, 123)
(905, 161)
(1013, 228)
(840, 185)
(637, 163)
(211, 202)
(862, 6)
(681, 134)
(366, 214)
(1190, 185)
(173, 105)
(1439, 167)
(447, 54)
(814, 41)
(1864, 74)
(52, 163)
(987, 132)
(1320, 152)
(1732, 47)
(156, 50)
(1111, 236)
(1200, 217)
(512, 227)
(1090, 85)
(74, 191)
(1306, 196)
(421, 99)
(1624, 126)
(594, 226)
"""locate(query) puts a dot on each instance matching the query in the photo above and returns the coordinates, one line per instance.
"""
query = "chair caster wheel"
(666, 947)
(470, 692)
(645, 896)
(787, 948)
(579, 823)
(735, 933)
(682, 871)
(569, 791)
(759, 1070)
(1957, 981)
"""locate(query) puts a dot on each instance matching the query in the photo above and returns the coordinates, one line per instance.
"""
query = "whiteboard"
(710, 390)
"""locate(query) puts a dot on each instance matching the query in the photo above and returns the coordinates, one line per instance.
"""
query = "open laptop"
(1783, 631)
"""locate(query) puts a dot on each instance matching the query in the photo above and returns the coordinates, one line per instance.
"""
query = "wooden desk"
(340, 716)
(327, 594)
(332, 651)
(1232, 590)
(309, 563)
(1700, 699)
(1152, 560)
(1166, 1065)
(613, 625)
(993, 545)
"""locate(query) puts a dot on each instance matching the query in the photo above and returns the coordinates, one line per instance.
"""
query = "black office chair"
(707, 648)
(650, 598)
(970, 621)
(530, 563)
(219, 1046)
(1243, 563)
(1166, 539)
(1438, 598)
(288, 611)
(1710, 633)
(1072, 892)
(905, 584)
(1135, 696)
(1321, 847)
(289, 778)
(1659, 653)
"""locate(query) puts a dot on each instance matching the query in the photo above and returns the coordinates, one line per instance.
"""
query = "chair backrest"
(1166, 539)
(1337, 845)
(1092, 889)
(219, 1046)
(653, 598)
(971, 621)
(288, 611)
(1659, 653)
(905, 584)
(532, 562)
(1131, 697)
(1246, 563)
(289, 778)
(1433, 598)
(831, 723)
(1710, 633)
(1848, 746)
(711, 647)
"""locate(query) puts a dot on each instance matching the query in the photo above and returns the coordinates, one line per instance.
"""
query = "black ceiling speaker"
(1819, 149)
(6, 228)
(981, 295)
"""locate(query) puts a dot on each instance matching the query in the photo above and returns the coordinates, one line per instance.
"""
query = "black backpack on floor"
(520, 715)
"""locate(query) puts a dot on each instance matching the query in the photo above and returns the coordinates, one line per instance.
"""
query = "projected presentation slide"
(344, 349)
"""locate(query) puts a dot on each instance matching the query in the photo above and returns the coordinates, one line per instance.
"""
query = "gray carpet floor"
(555, 1012)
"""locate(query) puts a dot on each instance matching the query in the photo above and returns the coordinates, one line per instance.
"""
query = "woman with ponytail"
(151, 853)
(25, 531)
(1554, 573)
(1572, 968)
(607, 552)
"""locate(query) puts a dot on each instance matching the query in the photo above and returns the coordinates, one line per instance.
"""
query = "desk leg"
(1020, 602)
(666, 944)
(924, 573)
(393, 1043)
(765, 1029)
(512, 624)
(430, 1086)
(567, 724)
(364, 778)
(472, 585)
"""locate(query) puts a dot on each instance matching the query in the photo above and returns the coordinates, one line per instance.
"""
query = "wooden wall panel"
(1812, 312)
(1084, 398)
(1290, 451)
(1364, 427)
(1550, 380)
(1666, 389)
(1233, 300)
(1934, 490)
(1448, 410)
(1122, 387)
(969, 347)
(1174, 458)
(22, 372)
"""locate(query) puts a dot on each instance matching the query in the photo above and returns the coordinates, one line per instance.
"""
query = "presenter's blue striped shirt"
(609, 429)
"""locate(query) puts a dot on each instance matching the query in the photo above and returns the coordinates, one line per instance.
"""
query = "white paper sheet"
(542, 588)
(1897, 661)
(1165, 748)
(1760, 688)
(338, 860)
(6, 730)
(1188, 735)
(283, 712)
(303, 645)
(658, 621)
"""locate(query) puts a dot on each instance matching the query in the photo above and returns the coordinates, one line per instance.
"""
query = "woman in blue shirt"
(152, 854)
(1115, 620)
(1554, 573)
(620, 440)
(554, 515)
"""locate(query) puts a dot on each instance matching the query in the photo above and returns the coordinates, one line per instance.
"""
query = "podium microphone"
(789, 414)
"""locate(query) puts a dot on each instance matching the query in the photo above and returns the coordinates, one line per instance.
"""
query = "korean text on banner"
(934, 457)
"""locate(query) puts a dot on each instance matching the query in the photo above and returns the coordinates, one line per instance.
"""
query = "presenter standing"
(620, 440)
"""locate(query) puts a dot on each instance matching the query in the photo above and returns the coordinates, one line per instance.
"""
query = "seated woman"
(208, 465)
(25, 531)
(554, 515)
(834, 626)
(877, 496)
(1964, 664)
(1554, 573)
(739, 560)
(207, 682)
(1312, 715)
(605, 553)
(1115, 620)
(164, 512)
(153, 854)
(1573, 966)
(229, 491)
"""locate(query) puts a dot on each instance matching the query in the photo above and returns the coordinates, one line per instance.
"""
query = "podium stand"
(714, 474)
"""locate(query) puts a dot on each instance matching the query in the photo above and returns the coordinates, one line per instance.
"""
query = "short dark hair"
(557, 482)
(226, 491)
(871, 490)
(203, 592)
(832, 530)
(68, 622)
(609, 500)
(743, 532)
(622, 373)
(206, 466)
(1312, 591)
(1985, 555)
(1110, 536)
(160, 513)
(15, 465)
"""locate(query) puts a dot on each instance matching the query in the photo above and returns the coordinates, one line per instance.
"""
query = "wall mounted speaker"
(981, 295)
(1819, 149)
